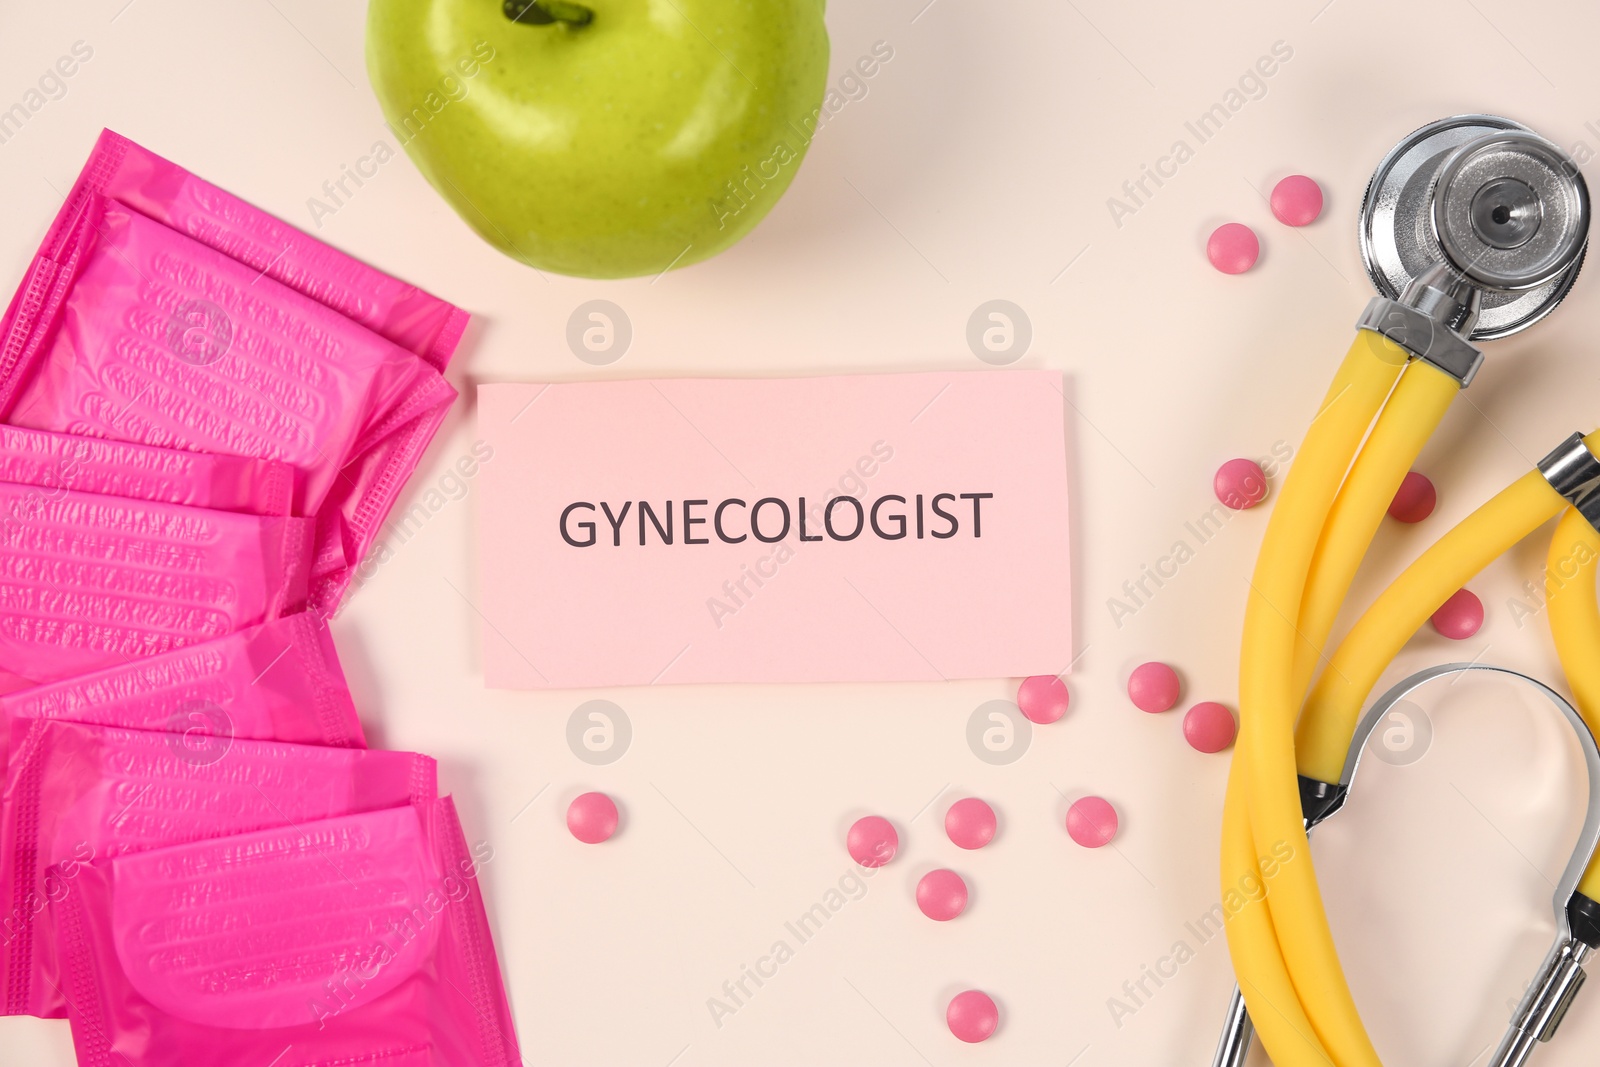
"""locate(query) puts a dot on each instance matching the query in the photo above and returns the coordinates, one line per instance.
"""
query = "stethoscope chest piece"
(1504, 208)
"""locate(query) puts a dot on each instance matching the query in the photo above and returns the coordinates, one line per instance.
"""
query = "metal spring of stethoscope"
(1472, 228)
(1561, 974)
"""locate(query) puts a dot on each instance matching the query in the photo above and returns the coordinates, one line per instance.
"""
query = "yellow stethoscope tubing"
(1353, 520)
(1423, 395)
(1285, 959)
(1401, 610)
(1574, 610)
(1407, 421)
(1275, 1009)
(1334, 705)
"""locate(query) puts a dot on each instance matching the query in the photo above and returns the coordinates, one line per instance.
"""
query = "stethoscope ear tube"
(1588, 838)
(1561, 974)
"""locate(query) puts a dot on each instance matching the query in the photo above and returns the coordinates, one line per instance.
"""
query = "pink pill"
(1233, 248)
(1043, 698)
(592, 818)
(1459, 617)
(1240, 484)
(1092, 822)
(1415, 499)
(1209, 727)
(1153, 687)
(970, 823)
(872, 841)
(972, 1016)
(1297, 200)
(942, 895)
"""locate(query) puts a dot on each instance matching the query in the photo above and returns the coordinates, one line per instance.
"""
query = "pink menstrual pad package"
(94, 581)
(359, 940)
(155, 338)
(162, 190)
(140, 472)
(75, 792)
(161, 340)
(163, 311)
(280, 681)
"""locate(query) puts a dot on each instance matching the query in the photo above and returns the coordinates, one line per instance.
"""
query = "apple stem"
(544, 12)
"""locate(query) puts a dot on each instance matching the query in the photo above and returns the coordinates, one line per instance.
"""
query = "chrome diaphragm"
(1499, 205)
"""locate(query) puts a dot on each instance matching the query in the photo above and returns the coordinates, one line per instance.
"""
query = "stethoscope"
(1472, 228)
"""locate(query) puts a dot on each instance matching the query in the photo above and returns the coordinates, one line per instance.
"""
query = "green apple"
(606, 139)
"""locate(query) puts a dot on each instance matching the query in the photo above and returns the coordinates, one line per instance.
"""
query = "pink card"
(864, 528)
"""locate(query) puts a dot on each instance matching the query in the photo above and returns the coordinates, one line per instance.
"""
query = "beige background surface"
(977, 166)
